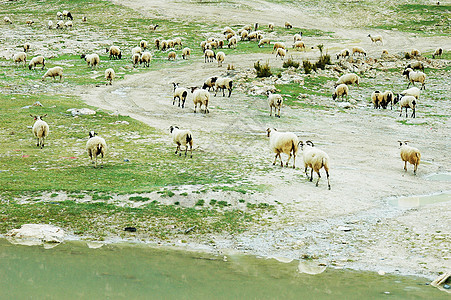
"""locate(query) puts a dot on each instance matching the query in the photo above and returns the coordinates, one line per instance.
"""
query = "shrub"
(407, 55)
(291, 63)
(307, 65)
(200, 202)
(323, 61)
(263, 70)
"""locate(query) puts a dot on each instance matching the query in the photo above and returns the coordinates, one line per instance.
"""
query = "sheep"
(210, 83)
(172, 55)
(271, 26)
(299, 45)
(67, 15)
(146, 57)
(283, 142)
(92, 60)
(84, 19)
(59, 15)
(244, 34)
(136, 59)
(68, 24)
(384, 52)
(143, 44)
(232, 42)
(228, 36)
(114, 52)
(138, 50)
(341, 90)
(264, 41)
(406, 101)
(343, 53)
(170, 43)
(7, 20)
(348, 79)
(220, 56)
(278, 45)
(26, 47)
(228, 30)
(315, 159)
(20, 57)
(411, 155)
(415, 52)
(201, 97)
(53, 72)
(186, 53)
(255, 35)
(359, 51)
(387, 97)
(110, 75)
(297, 37)
(182, 137)
(413, 91)
(95, 146)
(29, 22)
(275, 100)
(60, 24)
(181, 93)
(38, 60)
(413, 76)
(416, 65)
(288, 25)
(281, 52)
(40, 130)
(209, 55)
(157, 43)
(375, 38)
(153, 27)
(50, 24)
(212, 45)
(437, 52)
(221, 44)
(223, 83)
(376, 98)
(178, 42)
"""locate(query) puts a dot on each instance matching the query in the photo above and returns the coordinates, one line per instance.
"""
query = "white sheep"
(413, 76)
(276, 101)
(182, 137)
(407, 102)
(20, 57)
(143, 44)
(181, 93)
(387, 97)
(201, 97)
(255, 35)
(223, 83)
(178, 42)
(60, 24)
(411, 155)
(299, 45)
(209, 55)
(67, 15)
(38, 60)
(343, 53)
(110, 75)
(416, 65)
(315, 159)
(54, 72)
(264, 41)
(186, 53)
(68, 24)
(288, 25)
(95, 146)
(376, 98)
(232, 42)
(114, 52)
(170, 43)
(340, 91)
(59, 15)
(348, 79)
(93, 60)
(375, 38)
(281, 52)
(228, 36)
(413, 91)
(228, 30)
(84, 19)
(415, 52)
(136, 59)
(153, 27)
(29, 22)
(50, 24)
(437, 52)
(278, 45)
(210, 83)
(297, 37)
(271, 26)
(358, 50)
(283, 142)
(157, 43)
(40, 130)
(146, 57)
(220, 57)
(138, 50)
(172, 55)
(7, 20)
(26, 47)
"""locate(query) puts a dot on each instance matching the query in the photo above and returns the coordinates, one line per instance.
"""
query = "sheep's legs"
(275, 159)
(294, 160)
(230, 92)
(278, 115)
(405, 166)
(270, 112)
(328, 182)
(311, 175)
(319, 177)
(413, 113)
(415, 169)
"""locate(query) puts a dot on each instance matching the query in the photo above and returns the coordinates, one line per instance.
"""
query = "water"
(439, 177)
(73, 271)
(417, 201)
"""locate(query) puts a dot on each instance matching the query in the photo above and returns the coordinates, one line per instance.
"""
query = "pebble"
(446, 286)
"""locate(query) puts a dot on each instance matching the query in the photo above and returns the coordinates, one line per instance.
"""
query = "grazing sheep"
(170, 43)
(315, 159)
(53, 72)
(221, 44)
(153, 27)
(143, 44)
(40, 130)
(413, 91)
(67, 15)
(172, 55)
(157, 43)
(288, 25)
(7, 20)
(359, 51)
(186, 53)
(411, 155)
(20, 57)
(178, 42)
(29, 22)
(415, 53)
(209, 55)
(247, 27)
(68, 24)
(84, 19)
(59, 15)
(297, 37)
(228, 36)
(60, 24)
(114, 52)
(271, 26)
(387, 97)
(264, 41)
(92, 60)
(38, 60)
(210, 83)
(228, 30)
(110, 75)
(375, 38)
(201, 97)
(348, 79)
(136, 59)
(376, 98)
(416, 65)
(182, 137)
(299, 45)
(244, 34)
(437, 52)
(181, 93)
(281, 52)
(146, 57)
(407, 102)
(232, 42)
(340, 91)
(220, 56)
(26, 47)
(343, 53)
(275, 100)
(138, 50)
(255, 35)
(413, 76)
(384, 53)
(283, 142)
(224, 83)
(278, 45)
(50, 24)
(95, 146)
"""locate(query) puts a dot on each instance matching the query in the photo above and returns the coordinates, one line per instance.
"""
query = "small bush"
(222, 203)
(262, 70)
(200, 202)
(307, 65)
(213, 202)
(323, 61)
(138, 198)
(291, 63)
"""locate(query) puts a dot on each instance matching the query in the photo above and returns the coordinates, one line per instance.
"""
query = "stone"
(36, 234)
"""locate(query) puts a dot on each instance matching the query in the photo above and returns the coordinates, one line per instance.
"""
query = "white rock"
(36, 234)
(311, 267)
(81, 111)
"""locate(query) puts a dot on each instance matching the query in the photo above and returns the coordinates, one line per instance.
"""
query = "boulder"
(36, 234)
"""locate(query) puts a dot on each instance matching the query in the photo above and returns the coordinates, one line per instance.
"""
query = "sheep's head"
(397, 98)
(301, 144)
(92, 134)
(83, 56)
(171, 129)
(334, 96)
(193, 88)
(310, 143)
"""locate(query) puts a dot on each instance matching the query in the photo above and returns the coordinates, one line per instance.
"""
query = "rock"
(81, 111)
(345, 105)
(381, 272)
(94, 245)
(282, 259)
(343, 228)
(311, 267)
(36, 234)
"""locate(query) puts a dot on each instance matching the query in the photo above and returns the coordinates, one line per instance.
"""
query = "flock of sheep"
(280, 142)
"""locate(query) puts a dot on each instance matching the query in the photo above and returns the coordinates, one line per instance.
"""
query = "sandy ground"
(353, 225)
